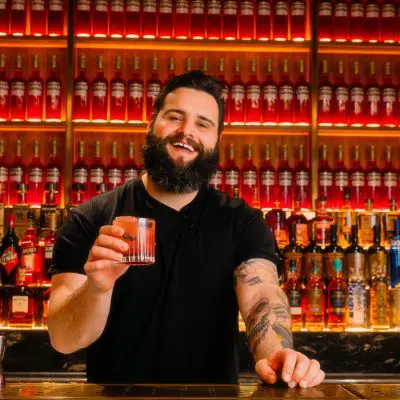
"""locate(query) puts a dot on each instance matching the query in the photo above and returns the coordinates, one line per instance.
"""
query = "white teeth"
(184, 145)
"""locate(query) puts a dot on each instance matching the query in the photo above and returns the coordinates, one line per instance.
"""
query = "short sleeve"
(74, 241)
(254, 238)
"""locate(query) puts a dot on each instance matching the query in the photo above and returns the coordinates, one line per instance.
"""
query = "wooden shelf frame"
(43, 42)
(33, 126)
(359, 48)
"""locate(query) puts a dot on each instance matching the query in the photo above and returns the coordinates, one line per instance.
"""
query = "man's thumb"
(265, 372)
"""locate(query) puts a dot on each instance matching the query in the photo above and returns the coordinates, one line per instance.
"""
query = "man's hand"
(292, 367)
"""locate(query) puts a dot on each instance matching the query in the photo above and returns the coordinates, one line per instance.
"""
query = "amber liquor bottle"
(49, 242)
(366, 222)
(293, 252)
(276, 220)
(293, 292)
(331, 253)
(313, 257)
(314, 301)
(337, 299)
(300, 221)
(321, 223)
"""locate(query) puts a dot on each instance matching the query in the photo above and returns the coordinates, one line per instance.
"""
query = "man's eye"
(202, 125)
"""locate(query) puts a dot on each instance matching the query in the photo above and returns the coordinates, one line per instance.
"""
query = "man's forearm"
(79, 320)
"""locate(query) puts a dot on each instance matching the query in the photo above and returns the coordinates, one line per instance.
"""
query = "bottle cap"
(337, 264)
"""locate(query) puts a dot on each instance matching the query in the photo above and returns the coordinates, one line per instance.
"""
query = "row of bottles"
(359, 21)
(34, 99)
(195, 19)
(253, 102)
(42, 17)
(358, 103)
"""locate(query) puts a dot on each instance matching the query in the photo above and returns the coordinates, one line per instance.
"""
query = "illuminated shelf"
(360, 132)
(18, 329)
(33, 126)
(193, 45)
(35, 42)
(359, 48)
(228, 130)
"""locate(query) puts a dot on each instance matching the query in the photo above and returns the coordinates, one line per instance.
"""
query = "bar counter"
(17, 391)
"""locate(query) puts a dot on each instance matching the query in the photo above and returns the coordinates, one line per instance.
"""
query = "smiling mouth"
(183, 146)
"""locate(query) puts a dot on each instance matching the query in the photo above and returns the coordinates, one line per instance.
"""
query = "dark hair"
(198, 80)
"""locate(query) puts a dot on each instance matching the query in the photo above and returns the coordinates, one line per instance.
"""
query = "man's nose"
(187, 127)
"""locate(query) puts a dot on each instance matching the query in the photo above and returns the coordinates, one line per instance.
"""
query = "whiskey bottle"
(314, 303)
(337, 299)
(346, 219)
(366, 222)
(331, 253)
(313, 258)
(293, 292)
(276, 220)
(293, 253)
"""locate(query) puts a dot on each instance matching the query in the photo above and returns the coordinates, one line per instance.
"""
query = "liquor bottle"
(22, 304)
(231, 172)
(357, 20)
(114, 169)
(181, 20)
(135, 94)
(253, 105)
(214, 19)
(374, 180)
(4, 176)
(346, 219)
(325, 174)
(34, 100)
(197, 19)
(280, 20)
(267, 180)
(236, 101)
(225, 89)
(17, 174)
(81, 99)
(80, 173)
(100, 18)
(394, 255)
(249, 177)
(340, 180)
(171, 70)
(389, 105)
(99, 93)
(55, 18)
(302, 105)
(149, 19)
(314, 304)
(297, 20)
(131, 171)
(366, 221)
(379, 304)
(17, 95)
(35, 177)
(313, 256)
(165, 19)
(293, 252)
(321, 223)
(53, 93)
(188, 64)
(78, 194)
(388, 21)
(4, 91)
(270, 98)
(373, 97)
(53, 173)
(229, 19)
(340, 105)
(357, 98)
(38, 17)
(82, 25)
(377, 256)
(325, 94)
(285, 179)
(337, 299)
(217, 179)
(285, 98)
(117, 18)
(18, 17)
(204, 67)
(246, 20)
(4, 18)
(332, 252)
(298, 219)
(263, 19)
(388, 221)
(276, 220)
(325, 10)
(96, 170)
(357, 180)
(302, 180)
(10, 253)
(31, 253)
(293, 293)
(49, 242)
(118, 94)
(340, 21)
(372, 21)
(153, 89)
(133, 19)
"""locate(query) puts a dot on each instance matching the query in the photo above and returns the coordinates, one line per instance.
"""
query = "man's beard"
(178, 176)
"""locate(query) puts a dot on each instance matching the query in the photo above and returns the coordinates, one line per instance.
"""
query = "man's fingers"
(93, 266)
(111, 242)
(112, 230)
(302, 365)
(318, 379)
(289, 364)
(102, 253)
(265, 372)
(310, 375)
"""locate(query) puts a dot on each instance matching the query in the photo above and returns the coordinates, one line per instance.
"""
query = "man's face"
(182, 146)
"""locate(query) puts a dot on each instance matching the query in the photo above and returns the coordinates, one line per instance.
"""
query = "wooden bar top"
(49, 391)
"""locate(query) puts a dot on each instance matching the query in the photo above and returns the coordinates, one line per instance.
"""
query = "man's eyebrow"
(178, 111)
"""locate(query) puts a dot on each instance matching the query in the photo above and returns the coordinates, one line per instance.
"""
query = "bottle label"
(153, 90)
(302, 234)
(311, 259)
(18, 89)
(230, 7)
(390, 179)
(341, 10)
(285, 179)
(114, 176)
(35, 175)
(294, 297)
(83, 5)
(35, 88)
(149, 6)
(101, 5)
(4, 87)
(19, 304)
(133, 6)
(374, 97)
(389, 95)
(182, 7)
(367, 222)
(302, 178)
(342, 98)
(131, 174)
(29, 258)
(389, 221)
(314, 301)
(216, 179)
(237, 94)
(325, 179)
(3, 174)
(264, 8)
(303, 93)
(136, 91)
(9, 259)
(16, 174)
(268, 178)
(325, 98)
(298, 9)
(338, 301)
(96, 175)
(37, 5)
(246, 8)
(197, 7)
(18, 5)
(388, 11)
(377, 263)
(117, 5)
(281, 8)
(118, 90)
(165, 7)
(3, 4)
(298, 258)
(357, 10)
(355, 263)
(231, 178)
(53, 175)
(48, 251)
(322, 231)
(80, 175)
(270, 94)
(374, 179)
(357, 98)
(329, 258)
(381, 311)
(372, 11)
(325, 9)
(357, 304)
(53, 89)
(250, 178)
(341, 179)
(225, 94)
(357, 179)
(100, 89)
(254, 94)
(55, 5)
(286, 93)
(81, 90)
(214, 7)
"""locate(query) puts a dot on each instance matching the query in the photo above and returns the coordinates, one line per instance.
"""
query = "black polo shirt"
(174, 321)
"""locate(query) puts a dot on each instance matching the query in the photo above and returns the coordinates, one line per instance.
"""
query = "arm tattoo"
(249, 272)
